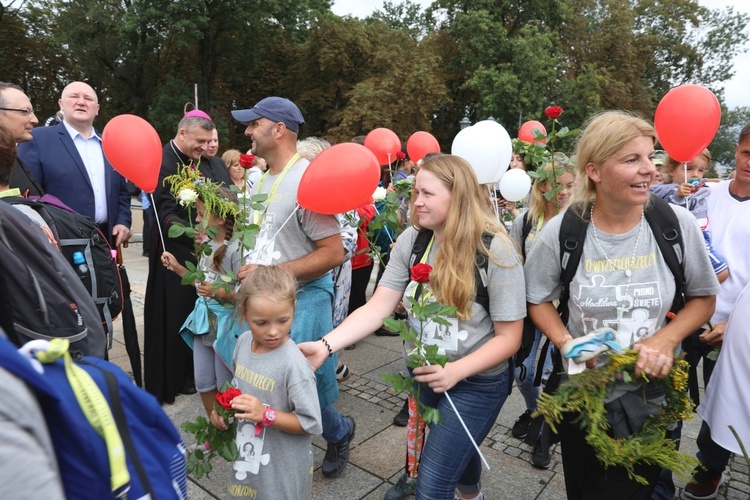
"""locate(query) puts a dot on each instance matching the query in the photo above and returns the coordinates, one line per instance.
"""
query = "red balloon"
(526, 134)
(686, 121)
(134, 149)
(339, 179)
(384, 143)
(421, 143)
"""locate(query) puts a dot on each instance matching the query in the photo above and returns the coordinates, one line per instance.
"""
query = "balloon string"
(158, 222)
(388, 233)
(390, 169)
(493, 197)
(684, 168)
(284, 224)
(471, 438)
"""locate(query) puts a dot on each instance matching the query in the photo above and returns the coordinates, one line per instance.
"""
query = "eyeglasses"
(24, 112)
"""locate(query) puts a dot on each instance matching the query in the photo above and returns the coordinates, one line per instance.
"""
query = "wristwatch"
(269, 417)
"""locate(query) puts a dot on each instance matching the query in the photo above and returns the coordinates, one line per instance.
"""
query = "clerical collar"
(185, 159)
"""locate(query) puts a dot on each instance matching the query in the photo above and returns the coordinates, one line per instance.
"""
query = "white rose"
(187, 196)
(379, 194)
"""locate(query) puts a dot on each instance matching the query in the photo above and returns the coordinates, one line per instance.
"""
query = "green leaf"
(431, 415)
(176, 230)
(189, 232)
(626, 377)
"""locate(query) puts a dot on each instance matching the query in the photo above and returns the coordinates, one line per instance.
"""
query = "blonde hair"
(538, 203)
(670, 164)
(604, 134)
(452, 278)
(231, 156)
(270, 282)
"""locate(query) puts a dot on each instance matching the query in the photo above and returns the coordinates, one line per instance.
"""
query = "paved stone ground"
(378, 452)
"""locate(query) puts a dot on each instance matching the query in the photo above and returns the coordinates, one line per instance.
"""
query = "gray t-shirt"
(275, 464)
(516, 232)
(300, 232)
(602, 295)
(505, 287)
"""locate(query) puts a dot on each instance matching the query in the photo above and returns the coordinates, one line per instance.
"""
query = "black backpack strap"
(480, 273)
(572, 235)
(666, 228)
(525, 231)
(118, 413)
(420, 246)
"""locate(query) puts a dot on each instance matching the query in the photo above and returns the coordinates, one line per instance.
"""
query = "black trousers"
(587, 479)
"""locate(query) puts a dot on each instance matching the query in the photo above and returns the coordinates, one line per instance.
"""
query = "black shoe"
(521, 427)
(385, 332)
(337, 454)
(540, 457)
(402, 417)
(188, 388)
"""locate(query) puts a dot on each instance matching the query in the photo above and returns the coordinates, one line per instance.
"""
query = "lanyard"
(417, 289)
(97, 412)
(256, 217)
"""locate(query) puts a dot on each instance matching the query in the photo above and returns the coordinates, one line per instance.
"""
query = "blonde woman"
(448, 201)
(623, 282)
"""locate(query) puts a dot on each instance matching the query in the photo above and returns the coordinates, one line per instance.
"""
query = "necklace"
(628, 273)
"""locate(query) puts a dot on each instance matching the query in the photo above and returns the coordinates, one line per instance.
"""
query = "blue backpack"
(142, 453)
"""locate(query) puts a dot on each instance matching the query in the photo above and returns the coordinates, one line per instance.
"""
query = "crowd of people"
(306, 275)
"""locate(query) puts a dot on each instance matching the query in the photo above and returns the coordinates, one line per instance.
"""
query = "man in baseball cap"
(309, 246)
(276, 109)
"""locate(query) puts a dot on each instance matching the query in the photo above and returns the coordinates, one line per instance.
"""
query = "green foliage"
(584, 395)
(723, 146)
(400, 68)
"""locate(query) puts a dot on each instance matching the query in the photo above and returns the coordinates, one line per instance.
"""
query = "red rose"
(246, 161)
(421, 273)
(400, 155)
(553, 112)
(225, 398)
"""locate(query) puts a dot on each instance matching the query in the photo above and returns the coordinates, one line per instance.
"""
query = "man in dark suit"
(69, 163)
(17, 115)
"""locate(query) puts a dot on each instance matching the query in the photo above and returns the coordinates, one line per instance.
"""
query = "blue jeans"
(711, 455)
(335, 426)
(526, 385)
(665, 489)
(449, 459)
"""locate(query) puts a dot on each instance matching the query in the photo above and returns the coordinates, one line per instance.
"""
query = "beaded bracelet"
(328, 346)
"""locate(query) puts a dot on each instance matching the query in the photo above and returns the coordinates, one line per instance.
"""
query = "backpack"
(529, 329)
(77, 233)
(664, 225)
(42, 298)
(142, 453)
(482, 297)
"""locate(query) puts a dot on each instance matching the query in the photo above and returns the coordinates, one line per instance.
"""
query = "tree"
(723, 146)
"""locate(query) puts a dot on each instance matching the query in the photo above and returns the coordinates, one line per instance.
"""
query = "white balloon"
(487, 147)
(515, 184)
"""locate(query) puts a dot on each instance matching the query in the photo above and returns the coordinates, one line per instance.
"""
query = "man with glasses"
(69, 163)
(17, 115)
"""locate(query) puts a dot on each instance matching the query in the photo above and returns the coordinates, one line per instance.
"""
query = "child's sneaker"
(705, 484)
(590, 346)
(403, 488)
